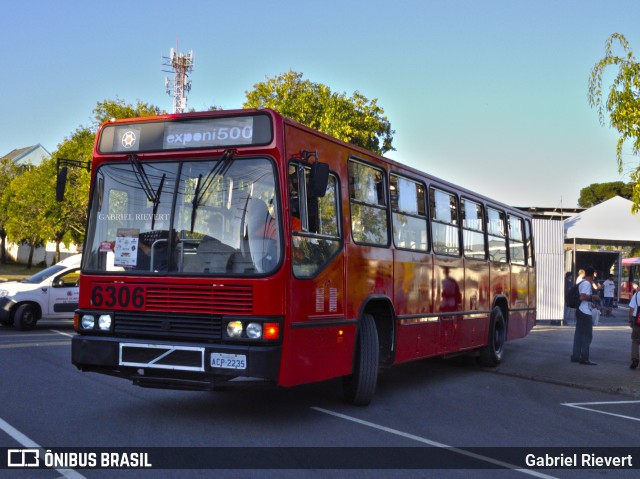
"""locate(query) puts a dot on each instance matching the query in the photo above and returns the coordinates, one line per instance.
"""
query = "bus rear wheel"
(491, 355)
(360, 386)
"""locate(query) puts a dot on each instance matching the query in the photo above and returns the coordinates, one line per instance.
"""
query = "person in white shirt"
(608, 290)
(584, 327)
(635, 330)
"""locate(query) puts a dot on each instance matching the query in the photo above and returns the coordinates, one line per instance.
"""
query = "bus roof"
(249, 127)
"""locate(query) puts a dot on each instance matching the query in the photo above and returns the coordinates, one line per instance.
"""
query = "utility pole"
(181, 66)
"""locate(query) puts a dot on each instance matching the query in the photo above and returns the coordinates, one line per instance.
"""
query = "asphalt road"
(46, 402)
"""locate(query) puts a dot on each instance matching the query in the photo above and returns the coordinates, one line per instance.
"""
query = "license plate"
(228, 361)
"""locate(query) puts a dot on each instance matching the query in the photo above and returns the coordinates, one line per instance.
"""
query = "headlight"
(104, 322)
(3, 292)
(234, 329)
(254, 330)
(88, 321)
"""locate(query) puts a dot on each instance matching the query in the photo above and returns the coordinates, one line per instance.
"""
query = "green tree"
(8, 171)
(596, 193)
(622, 103)
(354, 119)
(118, 108)
(25, 215)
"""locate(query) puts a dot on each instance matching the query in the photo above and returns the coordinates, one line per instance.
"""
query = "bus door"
(499, 274)
(530, 253)
(448, 267)
(519, 292)
(319, 343)
(418, 330)
(475, 323)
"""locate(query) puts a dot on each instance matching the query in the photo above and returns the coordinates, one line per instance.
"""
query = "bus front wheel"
(491, 355)
(360, 386)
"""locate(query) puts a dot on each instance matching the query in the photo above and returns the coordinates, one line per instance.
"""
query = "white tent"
(610, 222)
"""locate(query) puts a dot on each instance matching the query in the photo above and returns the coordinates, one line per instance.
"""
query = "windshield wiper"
(219, 169)
(143, 180)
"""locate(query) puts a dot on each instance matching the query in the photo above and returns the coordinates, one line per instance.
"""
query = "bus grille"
(171, 326)
(217, 299)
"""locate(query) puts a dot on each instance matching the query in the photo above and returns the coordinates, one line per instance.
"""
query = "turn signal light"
(271, 331)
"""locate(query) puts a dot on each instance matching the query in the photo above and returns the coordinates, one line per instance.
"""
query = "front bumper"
(172, 364)
(6, 304)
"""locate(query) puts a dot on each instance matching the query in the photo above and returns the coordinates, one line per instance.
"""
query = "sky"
(490, 95)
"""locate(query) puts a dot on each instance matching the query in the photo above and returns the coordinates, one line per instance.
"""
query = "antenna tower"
(181, 65)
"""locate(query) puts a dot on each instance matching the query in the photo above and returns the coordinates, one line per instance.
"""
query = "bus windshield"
(209, 217)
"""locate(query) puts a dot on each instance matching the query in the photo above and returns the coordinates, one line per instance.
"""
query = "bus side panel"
(417, 335)
(449, 299)
(321, 352)
(369, 273)
(499, 281)
(318, 342)
(475, 324)
(518, 302)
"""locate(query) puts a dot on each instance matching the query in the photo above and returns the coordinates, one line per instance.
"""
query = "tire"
(360, 386)
(492, 354)
(25, 317)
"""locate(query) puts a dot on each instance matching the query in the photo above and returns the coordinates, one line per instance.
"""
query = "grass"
(16, 272)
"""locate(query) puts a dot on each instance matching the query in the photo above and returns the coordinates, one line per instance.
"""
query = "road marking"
(63, 334)
(31, 344)
(581, 405)
(31, 444)
(27, 335)
(429, 442)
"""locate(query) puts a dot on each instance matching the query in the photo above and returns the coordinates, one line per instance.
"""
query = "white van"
(50, 294)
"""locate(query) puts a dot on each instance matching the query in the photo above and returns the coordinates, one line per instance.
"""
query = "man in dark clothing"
(584, 326)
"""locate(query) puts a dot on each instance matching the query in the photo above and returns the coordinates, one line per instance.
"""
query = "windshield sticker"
(126, 251)
(106, 246)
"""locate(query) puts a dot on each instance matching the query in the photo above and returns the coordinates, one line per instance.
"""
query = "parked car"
(50, 294)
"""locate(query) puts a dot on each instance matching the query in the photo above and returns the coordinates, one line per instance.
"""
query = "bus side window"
(369, 221)
(473, 230)
(444, 222)
(529, 243)
(496, 231)
(409, 214)
(315, 241)
(516, 240)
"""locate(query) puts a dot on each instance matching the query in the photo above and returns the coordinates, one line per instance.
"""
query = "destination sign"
(186, 134)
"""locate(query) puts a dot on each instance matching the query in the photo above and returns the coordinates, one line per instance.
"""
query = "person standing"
(608, 290)
(635, 331)
(584, 326)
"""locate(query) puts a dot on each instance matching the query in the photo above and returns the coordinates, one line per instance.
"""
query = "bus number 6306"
(113, 295)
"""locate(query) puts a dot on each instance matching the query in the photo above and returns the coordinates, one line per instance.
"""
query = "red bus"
(243, 244)
(629, 278)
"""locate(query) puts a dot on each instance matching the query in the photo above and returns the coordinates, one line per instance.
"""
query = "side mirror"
(61, 183)
(318, 179)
